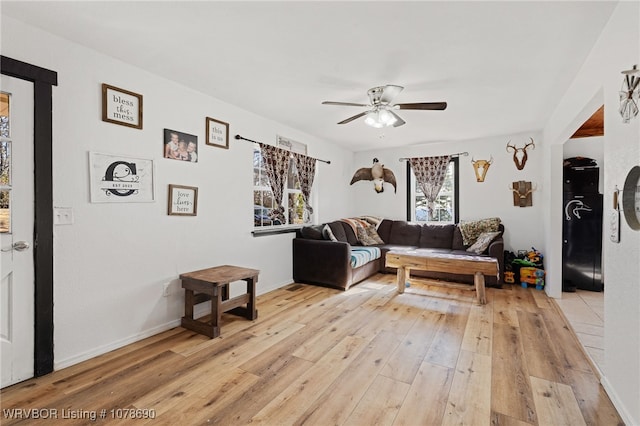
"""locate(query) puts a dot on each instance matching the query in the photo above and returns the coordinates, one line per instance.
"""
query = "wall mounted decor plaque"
(121, 106)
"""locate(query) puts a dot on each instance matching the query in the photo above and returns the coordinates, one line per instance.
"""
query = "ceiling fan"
(381, 112)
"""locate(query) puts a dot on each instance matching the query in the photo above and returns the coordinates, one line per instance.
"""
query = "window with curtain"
(446, 205)
(295, 212)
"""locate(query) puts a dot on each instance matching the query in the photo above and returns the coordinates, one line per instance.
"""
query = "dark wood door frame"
(43, 81)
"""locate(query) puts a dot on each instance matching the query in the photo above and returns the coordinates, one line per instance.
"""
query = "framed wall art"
(183, 200)
(120, 179)
(121, 106)
(217, 133)
(180, 146)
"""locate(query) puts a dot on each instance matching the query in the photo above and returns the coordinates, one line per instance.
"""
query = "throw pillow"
(471, 230)
(313, 232)
(371, 231)
(483, 241)
(327, 233)
(364, 237)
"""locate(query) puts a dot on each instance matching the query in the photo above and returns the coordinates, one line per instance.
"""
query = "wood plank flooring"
(318, 356)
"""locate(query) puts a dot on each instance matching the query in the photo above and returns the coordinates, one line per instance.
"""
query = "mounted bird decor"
(378, 174)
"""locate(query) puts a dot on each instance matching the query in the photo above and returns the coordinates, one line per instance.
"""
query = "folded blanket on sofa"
(363, 255)
(355, 222)
(471, 230)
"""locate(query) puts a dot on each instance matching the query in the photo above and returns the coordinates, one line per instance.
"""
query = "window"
(446, 204)
(5, 164)
(263, 201)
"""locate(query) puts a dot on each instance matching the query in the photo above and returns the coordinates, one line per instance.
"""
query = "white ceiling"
(501, 66)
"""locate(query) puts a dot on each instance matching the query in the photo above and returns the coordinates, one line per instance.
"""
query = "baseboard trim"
(101, 350)
(200, 310)
(615, 400)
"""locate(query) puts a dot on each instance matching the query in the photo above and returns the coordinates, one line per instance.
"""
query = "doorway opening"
(582, 301)
(43, 81)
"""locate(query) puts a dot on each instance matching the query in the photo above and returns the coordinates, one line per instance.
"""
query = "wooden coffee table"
(213, 284)
(426, 260)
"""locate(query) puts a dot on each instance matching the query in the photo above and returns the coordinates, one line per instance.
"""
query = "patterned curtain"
(276, 163)
(430, 173)
(306, 167)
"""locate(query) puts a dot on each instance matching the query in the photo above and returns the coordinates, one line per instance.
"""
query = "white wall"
(477, 199)
(111, 264)
(599, 80)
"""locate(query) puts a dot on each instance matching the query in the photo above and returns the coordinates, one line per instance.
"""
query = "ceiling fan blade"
(343, 103)
(390, 92)
(399, 121)
(424, 105)
(350, 119)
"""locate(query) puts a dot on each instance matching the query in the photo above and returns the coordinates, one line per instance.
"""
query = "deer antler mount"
(520, 154)
(522, 193)
(481, 167)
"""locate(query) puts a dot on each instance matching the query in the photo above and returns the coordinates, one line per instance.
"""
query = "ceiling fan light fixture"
(382, 112)
(371, 119)
(379, 118)
(386, 117)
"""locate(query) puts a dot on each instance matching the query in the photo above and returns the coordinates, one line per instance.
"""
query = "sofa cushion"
(350, 234)
(384, 229)
(338, 231)
(404, 233)
(436, 236)
(456, 242)
(363, 255)
(313, 232)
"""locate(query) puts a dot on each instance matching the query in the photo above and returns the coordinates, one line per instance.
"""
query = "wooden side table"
(213, 284)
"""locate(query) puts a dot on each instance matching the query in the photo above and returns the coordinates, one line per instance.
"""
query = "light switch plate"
(62, 216)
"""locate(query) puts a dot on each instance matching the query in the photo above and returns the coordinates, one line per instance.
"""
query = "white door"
(16, 230)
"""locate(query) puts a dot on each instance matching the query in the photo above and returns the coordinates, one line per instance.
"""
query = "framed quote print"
(121, 106)
(183, 200)
(217, 133)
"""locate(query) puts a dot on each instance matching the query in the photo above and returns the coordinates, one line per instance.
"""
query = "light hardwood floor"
(368, 356)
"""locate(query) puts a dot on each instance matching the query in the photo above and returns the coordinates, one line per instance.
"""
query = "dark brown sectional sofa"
(325, 262)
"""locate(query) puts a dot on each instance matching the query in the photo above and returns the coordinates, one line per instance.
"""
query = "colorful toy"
(509, 277)
(531, 275)
(534, 256)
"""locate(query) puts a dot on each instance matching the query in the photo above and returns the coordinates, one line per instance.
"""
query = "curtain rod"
(249, 140)
(457, 154)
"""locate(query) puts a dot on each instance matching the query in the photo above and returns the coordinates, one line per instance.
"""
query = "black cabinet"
(582, 231)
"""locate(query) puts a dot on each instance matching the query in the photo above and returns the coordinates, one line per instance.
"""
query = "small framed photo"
(121, 106)
(180, 146)
(217, 133)
(183, 200)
